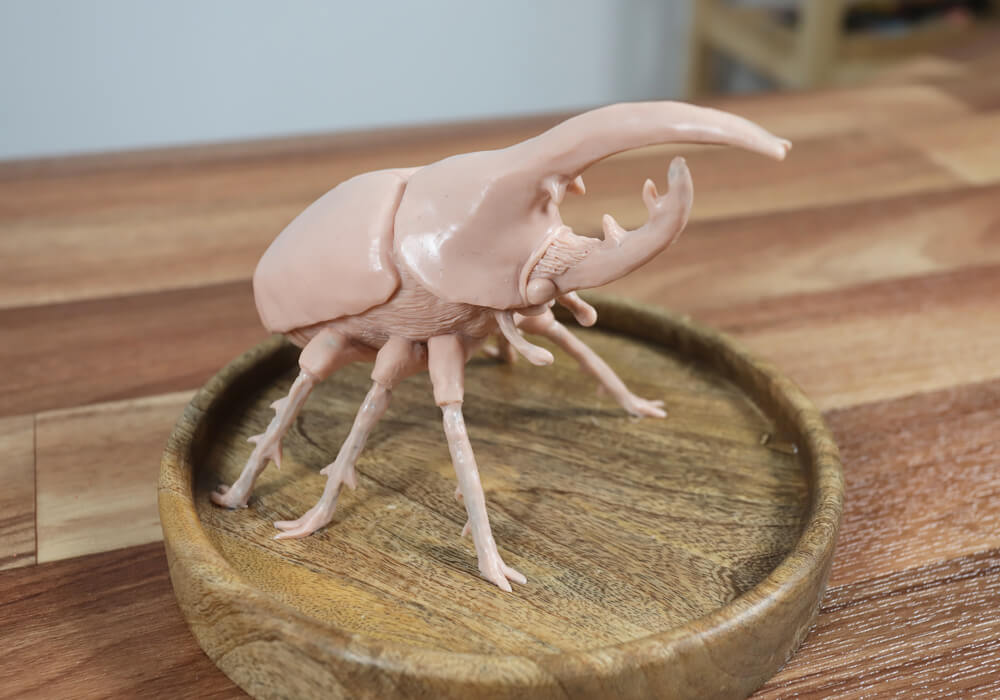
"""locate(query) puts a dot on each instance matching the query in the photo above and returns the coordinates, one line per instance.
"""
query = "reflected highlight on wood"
(676, 558)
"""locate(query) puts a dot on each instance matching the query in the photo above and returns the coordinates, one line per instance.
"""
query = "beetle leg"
(503, 350)
(398, 359)
(446, 362)
(546, 325)
(342, 470)
(325, 353)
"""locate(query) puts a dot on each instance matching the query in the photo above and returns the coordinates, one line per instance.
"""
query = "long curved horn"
(569, 148)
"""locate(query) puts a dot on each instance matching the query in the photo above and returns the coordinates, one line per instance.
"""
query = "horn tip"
(781, 148)
(678, 169)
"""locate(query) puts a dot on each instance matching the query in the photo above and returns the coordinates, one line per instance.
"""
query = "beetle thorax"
(413, 313)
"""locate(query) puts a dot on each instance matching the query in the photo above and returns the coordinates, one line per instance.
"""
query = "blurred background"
(119, 74)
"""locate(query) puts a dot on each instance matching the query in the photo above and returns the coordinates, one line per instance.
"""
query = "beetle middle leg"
(547, 326)
(324, 354)
(503, 351)
(396, 360)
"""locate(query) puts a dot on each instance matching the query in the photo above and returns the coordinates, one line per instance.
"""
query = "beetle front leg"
(446, 362)
(503, 351)
(546, 325)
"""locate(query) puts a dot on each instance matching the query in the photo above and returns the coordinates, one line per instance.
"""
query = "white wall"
(118, 74)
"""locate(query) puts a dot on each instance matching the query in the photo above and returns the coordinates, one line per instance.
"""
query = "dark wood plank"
(101, 626)
(88, 627)
(86, 352)
(929, 632)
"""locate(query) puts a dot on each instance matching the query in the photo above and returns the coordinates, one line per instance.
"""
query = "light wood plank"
(114, 225)
(729, 183)
(919, 69)
(968, 146)
(97, 468)
(17, 495)
(816, 114)
(879, 341)
(145, 250)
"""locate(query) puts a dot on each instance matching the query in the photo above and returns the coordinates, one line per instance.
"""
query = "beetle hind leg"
(398, 359)
(324, 354)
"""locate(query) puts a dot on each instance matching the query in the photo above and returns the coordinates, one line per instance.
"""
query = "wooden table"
(867, 266)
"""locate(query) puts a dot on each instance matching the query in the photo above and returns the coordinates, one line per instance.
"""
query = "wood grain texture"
(910, 614)
(58, 641)
(93, 468)
(968, 147)
(73, 354)
(119, 234)
(857, 167)
(883, 340)
(738, 263)
(906, 652)
(17, 494)
(837, 112)
(664, 545)
(923, 486)
(126, 226)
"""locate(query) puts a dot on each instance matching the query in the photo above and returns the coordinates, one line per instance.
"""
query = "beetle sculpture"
(415, 268)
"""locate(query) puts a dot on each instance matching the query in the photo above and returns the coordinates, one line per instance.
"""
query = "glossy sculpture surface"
(415, 268)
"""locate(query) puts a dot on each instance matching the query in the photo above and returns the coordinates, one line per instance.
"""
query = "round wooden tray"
(683, 557)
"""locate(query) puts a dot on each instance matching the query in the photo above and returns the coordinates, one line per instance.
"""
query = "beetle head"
(484, 228)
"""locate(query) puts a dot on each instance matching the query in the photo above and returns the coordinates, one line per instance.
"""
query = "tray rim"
(807, 563)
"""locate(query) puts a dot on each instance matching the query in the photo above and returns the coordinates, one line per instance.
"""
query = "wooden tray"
(683, 557)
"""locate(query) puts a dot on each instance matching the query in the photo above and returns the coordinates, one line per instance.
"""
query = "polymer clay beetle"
(416, 268)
